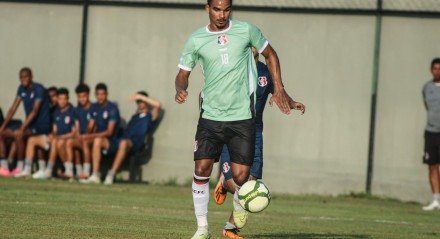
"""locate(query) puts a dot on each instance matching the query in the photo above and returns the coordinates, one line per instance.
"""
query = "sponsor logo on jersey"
(196, 146)
(262, 81)
(426, 156)
(23, 94)
(88, 116)
(67, 120)
(226, 167)
(105, 115)
(222, 40)
(32, 95)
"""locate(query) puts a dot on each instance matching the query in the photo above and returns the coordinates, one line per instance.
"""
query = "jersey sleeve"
(39, 93)
(19, 91)
(188, 58)
(257, 39)
(113, 114)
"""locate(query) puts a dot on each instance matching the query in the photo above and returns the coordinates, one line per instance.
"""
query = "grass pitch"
(57, 209)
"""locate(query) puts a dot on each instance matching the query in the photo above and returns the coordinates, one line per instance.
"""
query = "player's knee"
(69, 143)
(240, 176)
(202, 171)
(60, 143)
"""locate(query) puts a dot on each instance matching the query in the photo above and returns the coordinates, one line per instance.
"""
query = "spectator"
(37, 122)
(148, 111)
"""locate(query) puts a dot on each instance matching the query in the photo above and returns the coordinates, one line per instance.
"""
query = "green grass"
(57, 209)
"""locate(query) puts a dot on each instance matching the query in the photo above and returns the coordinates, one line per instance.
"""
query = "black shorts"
(432, 148)
(239, 136)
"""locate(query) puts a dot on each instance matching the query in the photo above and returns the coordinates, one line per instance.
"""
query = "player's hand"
(19, 133)
(181, 96)
(281, 98)
(297, 106)
(134, 97)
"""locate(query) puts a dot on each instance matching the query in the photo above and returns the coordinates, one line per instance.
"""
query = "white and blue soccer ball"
(254, 196)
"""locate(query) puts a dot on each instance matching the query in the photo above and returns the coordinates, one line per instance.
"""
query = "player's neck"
(64, 108)
(213, 28)
(436, 80)
(86, 105)
(103, 103)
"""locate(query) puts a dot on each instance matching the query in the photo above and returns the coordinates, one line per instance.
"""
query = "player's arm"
(69, 135)
(104, 134)
(11, 113)
(279, 96)
(32, 115)
(181, 86)
(150, 101)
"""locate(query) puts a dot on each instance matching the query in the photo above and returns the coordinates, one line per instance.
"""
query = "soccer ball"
(254, 196)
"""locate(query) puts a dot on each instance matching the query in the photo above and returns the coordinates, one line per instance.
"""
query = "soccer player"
(63, 128)
(52, 92)
(223, 48)
(264, 88)
(85, 124)
(106, 117)
(37, 122)
(431, 98)
(133, 138)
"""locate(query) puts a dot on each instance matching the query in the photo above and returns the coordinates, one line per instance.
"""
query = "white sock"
(229, 226)
(41, 164)
(96, 174)
(69, 168)
(79, 169)
(20, 164)
(111, 174)
(87, 168)
(49, 167)
(200, 194)
(436, 197)
(236, 202)
(4, 164)
(27, 166)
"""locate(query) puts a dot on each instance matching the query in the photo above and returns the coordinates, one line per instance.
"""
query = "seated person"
(133, 138)
(85, 124)
(37, 121)
(63, 129)
(106, 117)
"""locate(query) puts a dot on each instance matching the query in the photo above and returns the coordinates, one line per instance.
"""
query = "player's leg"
(257, 165)
(33, 142)
(4, 166)
(432, 159)
(99, 144)
(241, 144)
(123, 149)
(207, 148)
(7, 134)
(221, 189)
(78, 164)
(62, 153)
(87, 155)
(53, 154)
(72, 154)
(20, 140)
(42, 156)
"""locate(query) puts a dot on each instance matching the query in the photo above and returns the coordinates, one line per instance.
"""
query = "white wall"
(46, 38)
(408, 46)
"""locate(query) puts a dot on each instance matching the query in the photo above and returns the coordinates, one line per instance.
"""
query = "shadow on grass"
(310, 236)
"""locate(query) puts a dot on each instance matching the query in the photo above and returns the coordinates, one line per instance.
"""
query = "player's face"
(83, 98)
(435, 70)
(142, 106)
(53, 97)
(219, 13)
(63, 100)
(25, 79)
(101, 96)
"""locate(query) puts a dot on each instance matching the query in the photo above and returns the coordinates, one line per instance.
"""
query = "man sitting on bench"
(148, 111)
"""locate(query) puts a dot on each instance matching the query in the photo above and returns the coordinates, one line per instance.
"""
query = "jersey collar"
(227, 29)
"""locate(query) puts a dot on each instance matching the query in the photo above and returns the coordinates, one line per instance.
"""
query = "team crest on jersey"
(226, 167)
(262, 81)
(105, 115)
(32, 95)
(196, 145)
(67, 120)
(23, 94)
(88, 116)
(222, 40)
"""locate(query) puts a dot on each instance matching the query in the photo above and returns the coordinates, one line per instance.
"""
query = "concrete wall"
(408, 46)
(46, 38)
(326, 63)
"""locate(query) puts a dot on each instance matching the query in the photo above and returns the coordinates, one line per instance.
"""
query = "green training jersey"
(228, 67)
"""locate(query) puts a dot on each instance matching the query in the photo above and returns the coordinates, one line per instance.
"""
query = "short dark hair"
(63, 91)
(52, 88)
(435, 61)
(142, 92)
(101, 86)
(82, 88)
(27, 70)
(210, 1)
